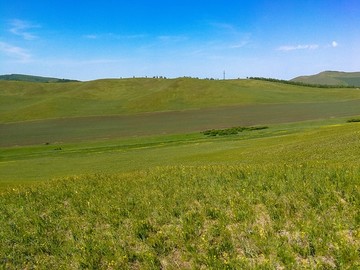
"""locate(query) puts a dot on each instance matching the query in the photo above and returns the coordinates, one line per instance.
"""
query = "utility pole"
(224, 75)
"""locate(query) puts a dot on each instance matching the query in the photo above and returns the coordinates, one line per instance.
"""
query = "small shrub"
(353, 120)
(230, 131)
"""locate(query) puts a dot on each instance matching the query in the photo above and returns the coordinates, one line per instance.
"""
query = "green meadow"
(120, 174)
(23, 101)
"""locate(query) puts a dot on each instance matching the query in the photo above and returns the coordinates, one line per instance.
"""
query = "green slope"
(21, 101)
(31, 78)
(331, 78)
(79, 129)
(331, 142)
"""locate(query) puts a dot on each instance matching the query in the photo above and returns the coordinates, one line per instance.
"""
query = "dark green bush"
(230, 131)
(353, 120)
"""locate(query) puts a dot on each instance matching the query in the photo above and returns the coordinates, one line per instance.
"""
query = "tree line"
(299, 83)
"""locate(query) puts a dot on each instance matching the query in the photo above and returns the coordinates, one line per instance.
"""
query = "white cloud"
(298, 47)
(15, 52)
(334, 44)
(21, 28)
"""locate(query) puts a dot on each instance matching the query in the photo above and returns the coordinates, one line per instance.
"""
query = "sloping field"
(21, 101)
(282, 144)
(173, 122)
(286, 202)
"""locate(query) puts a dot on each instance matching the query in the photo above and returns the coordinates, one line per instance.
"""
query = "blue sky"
(108, 39)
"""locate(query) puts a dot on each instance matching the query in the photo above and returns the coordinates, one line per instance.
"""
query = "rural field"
(179, 174)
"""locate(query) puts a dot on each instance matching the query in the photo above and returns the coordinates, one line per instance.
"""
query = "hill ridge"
(32, 78)
(330, 77)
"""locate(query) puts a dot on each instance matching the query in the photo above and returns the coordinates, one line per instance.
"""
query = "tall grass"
(203, 217)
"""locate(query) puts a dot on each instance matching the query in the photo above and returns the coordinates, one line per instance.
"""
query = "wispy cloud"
(172, 38)
(75, 62)
(228, 29)
(230, 35)
(238, 45)
(244, 41)
(22, 28)
(287, 48)
(113, 36)
(91, 36)
(15, 52)
(224, 27)
(135, 36)
(298, 47)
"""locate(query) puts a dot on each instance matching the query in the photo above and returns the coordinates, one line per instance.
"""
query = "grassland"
(159, 194)
(23, 101)
(211, 217)
(34, 113)
(77, 129)
(43, 162)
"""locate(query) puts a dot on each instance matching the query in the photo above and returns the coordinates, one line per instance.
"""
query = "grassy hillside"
(79, 129)
(331, 78)
(110, 109)
(20, 101)
(31, 78)
(267, 201)
(115, 174)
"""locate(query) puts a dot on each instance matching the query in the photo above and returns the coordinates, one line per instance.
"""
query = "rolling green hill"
(37, 113)
(31, 78)
(331, 78)
(21, 101)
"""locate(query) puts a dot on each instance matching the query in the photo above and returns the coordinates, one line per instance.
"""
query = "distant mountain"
(30, 78)
(331, 78)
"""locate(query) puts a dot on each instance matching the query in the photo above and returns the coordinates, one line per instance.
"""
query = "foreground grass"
(207, 217)
(287, 197)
